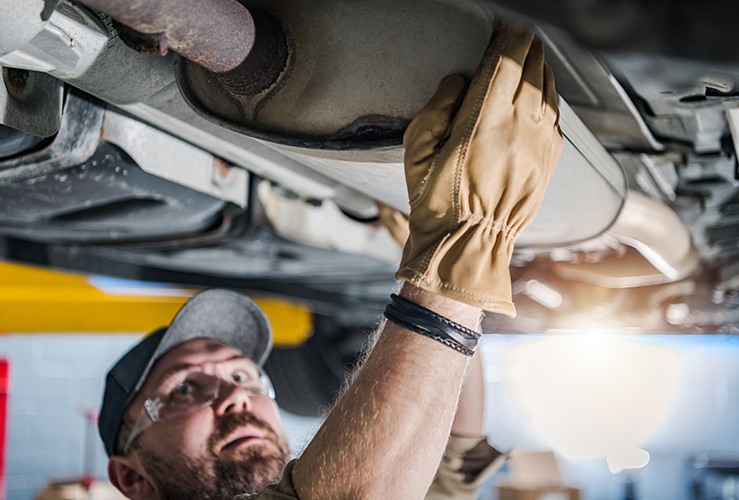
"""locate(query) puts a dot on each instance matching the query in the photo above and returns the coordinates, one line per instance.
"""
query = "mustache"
(232, 421)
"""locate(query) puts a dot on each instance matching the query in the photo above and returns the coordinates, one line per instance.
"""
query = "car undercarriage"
(123, 152)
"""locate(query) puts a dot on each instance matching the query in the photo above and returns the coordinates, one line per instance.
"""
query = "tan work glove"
(477, 172)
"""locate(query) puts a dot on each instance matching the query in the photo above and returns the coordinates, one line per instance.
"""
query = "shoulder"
(283, 490)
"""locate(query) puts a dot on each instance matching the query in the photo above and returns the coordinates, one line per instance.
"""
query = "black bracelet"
(416, 318)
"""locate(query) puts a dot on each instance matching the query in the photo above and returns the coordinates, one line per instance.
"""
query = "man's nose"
(232, 398)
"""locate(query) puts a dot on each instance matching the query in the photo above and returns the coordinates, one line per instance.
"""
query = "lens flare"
(595, 396)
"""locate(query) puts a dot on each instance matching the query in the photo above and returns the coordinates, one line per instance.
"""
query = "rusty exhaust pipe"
(246, 51)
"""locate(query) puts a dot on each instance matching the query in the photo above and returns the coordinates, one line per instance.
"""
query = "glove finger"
(431, 125)
(493, 88)
(501, 69)
(550, 92)
(530, 94)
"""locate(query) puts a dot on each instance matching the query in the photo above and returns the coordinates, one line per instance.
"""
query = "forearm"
(386, 436)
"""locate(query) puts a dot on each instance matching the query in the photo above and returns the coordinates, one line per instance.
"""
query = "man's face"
(235, 445)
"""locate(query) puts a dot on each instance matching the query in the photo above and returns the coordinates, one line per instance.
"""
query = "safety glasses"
(187, 390)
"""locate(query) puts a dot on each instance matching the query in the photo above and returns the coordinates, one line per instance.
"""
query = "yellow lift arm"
(35, 300)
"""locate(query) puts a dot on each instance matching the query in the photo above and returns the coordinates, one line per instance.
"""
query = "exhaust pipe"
(246, 51)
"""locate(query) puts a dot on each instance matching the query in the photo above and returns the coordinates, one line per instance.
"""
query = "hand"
(477, 165)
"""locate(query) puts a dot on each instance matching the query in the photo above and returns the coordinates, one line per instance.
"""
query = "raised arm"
(386, 436)
(478, 160)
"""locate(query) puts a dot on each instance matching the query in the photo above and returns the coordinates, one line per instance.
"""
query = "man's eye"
(182, 390)
(240, 377)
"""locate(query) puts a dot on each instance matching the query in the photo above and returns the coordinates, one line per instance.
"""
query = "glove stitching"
(473, 122)
(461, 149)
(490, 298)
(428, 254)
(478, 220)
(487, 222)
(418, 276)
(427, 180)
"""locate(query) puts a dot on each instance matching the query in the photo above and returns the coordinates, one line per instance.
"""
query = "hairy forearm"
(386, 436)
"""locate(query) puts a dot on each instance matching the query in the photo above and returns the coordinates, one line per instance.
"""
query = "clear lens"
(189, 390)
(198, 389)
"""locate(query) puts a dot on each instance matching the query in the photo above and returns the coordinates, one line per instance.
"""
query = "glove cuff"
(469, 264)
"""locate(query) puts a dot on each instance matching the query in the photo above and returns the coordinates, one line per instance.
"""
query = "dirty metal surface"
(106, 198)
(216, 34)
(356, 73)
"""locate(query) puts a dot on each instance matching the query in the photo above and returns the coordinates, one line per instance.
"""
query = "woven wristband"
(418, 319)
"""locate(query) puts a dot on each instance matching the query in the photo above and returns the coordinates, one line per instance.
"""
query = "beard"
(216, 477)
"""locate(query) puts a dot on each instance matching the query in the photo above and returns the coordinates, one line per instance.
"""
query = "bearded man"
(188, 413)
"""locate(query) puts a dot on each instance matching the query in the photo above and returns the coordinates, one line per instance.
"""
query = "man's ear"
(125, 475)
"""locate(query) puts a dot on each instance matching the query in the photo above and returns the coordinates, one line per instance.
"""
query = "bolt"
(17, 78)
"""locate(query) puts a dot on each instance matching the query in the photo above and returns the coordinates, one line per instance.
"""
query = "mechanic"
(187, 412)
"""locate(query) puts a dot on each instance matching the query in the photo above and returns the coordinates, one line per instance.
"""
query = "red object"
(4, 391)
(86, 482)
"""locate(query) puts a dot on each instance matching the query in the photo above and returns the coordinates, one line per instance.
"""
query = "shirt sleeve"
(283, 490)
(467, 463)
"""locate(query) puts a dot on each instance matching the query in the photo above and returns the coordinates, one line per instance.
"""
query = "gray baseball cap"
(224, 315)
